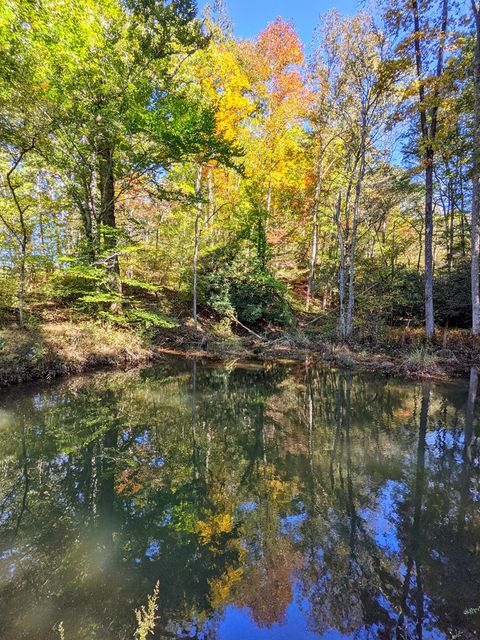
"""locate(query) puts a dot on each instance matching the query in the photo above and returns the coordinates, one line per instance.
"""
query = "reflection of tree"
(438, 528)
(25, 481)
(467, 454)
(413, 550)
(268, 589)
(244, 487)
(344, 571)
(454, 569)
(469, 417)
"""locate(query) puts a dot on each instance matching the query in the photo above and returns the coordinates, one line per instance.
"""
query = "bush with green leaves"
(387, 296)
(78, 282)
(452, 296)
(233, 284)
(8, 290)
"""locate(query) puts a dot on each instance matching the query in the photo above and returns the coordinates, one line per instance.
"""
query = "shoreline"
(56, 350)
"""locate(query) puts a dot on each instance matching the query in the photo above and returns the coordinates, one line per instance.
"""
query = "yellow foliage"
(221, 587)
(214, 526)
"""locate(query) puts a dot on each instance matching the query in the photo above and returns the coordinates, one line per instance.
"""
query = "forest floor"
(58, 345)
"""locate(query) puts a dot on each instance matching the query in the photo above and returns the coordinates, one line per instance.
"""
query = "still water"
(270, 503)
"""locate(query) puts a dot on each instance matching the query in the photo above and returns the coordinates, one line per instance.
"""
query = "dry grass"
(421, 362)
(76, 343)
(60, 348)
(61, 345)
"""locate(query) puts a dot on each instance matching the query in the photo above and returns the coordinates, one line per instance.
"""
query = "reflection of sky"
(61, 458)
(143, 438)
(381, 520)
(442, 440)
(290, 525)
(153, 549)
(8, 560)
(237, 624)
(247, 506)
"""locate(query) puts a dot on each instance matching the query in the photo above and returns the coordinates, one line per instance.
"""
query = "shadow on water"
(270, 502)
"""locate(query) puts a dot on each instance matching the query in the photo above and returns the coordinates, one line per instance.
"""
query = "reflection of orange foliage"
(402, 413)
(126, 483)
(268, 590)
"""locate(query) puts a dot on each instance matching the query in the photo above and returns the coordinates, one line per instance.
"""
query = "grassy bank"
(62, 346)
(54, 349)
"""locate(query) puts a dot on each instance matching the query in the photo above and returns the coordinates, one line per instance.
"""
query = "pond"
(270, 502)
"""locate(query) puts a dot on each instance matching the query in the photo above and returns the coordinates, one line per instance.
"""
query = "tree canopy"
(150, 159)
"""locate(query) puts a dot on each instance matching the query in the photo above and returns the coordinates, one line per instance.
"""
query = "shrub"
(76, 282)
(257, 296)
(422, 361)
(231, 283)
(393, 297)
(452, 296)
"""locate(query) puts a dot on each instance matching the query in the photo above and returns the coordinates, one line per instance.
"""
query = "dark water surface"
(270, 503)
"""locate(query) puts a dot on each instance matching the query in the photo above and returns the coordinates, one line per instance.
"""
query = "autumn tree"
(273, 152)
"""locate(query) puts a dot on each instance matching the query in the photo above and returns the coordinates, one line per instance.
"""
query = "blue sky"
(251, 16)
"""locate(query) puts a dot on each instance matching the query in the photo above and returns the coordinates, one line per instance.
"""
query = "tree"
(148, 157)
(354, 51)
(476, 178)
(25, 124)
(273, 165)
(425, 28)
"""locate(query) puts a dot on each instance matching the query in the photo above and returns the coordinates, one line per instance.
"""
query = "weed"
(147, 616)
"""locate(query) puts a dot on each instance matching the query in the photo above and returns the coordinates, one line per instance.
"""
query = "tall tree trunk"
(476, 179)
(21, 235)
(353, 243)
(429, 317)
(211, 201)
(21, 287)
(196, 243)
(342, 267)
(86, 204)
(451, 229)
(108, 219)
(89, 238)
(313, 257)
(428, 158)
(428, 127)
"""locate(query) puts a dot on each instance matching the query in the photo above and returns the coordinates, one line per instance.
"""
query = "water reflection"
(274, 503)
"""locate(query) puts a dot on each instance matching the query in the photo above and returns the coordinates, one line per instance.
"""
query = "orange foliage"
(126, 483)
